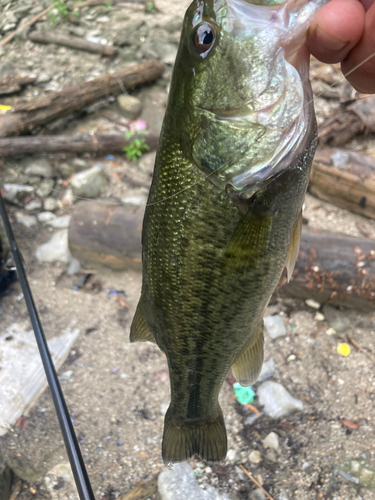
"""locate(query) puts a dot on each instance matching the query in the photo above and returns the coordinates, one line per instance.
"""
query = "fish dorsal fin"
(294, 248)
(249, 363)
(139, 330)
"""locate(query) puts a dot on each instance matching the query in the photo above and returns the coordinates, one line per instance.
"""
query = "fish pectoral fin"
(249, 363)
(139, 330)
(294, 248)
(183, 440)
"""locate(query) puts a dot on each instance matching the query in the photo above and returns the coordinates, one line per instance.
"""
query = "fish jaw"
(254, 82)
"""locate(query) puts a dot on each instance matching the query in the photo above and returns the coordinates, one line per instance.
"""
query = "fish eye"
(204, 39)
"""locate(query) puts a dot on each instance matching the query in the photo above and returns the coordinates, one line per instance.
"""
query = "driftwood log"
(334, 268)
(13, 84)
(106, 234)
(345, 124)
(73, 42)
(25, 116)
(331, 267)
(350, 184)
(82, 143)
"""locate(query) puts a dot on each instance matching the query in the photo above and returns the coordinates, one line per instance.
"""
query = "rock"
(50, 204)
(130, 106)
(77, 31)
(257, 495)
(22, 10)
(34, 204)
(45, 188)
(65, 170)
(180, 483)
(275, 326)
(60, 222)
(27, 220)
(60, 483)
(89, 183)
(74, 267)
(11, 196)
(268, 369)
(43, 77)
(271, 455)
(40, 167)
(276, 400)
(6, 477)
(80, 164)
(7, 69)
(240, 473)
(255, 457)
(271, 441)
(56, 249)
(319, 316)
(282, 496)
(67, 197)
(233, 457)
(22, 381)
(312, 303)
(336, 318)
(45, 216)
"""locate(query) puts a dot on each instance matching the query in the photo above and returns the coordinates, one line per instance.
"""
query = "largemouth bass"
(223, 214)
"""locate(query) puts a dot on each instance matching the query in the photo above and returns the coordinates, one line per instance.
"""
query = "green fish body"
(223, 215)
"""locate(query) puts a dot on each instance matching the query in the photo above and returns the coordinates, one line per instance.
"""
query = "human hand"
(344, 31)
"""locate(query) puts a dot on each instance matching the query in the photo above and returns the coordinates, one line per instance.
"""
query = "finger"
(363, 56)
(335, 30)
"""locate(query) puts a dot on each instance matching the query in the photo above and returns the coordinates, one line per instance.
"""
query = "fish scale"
(213, 251)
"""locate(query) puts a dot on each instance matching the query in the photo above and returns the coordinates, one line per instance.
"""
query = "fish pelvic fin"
(249, 363)
(139, 330)
(294, 248)
(206, 438)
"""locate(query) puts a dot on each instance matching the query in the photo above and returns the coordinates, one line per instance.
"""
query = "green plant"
(59, 12)
(106, 5)
(150, 7)
(137, 147)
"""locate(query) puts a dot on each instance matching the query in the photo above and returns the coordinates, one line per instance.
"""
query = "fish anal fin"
(294, 248)
(206, 439)
(139, 330)
(249, 363)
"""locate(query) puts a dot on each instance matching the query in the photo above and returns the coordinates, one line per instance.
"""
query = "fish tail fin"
(207, 439)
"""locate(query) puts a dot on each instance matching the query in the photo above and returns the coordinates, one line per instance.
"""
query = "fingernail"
(330, 43)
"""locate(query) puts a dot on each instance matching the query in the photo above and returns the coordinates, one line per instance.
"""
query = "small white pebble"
(312, 303)
(319, 316)
(330, 331)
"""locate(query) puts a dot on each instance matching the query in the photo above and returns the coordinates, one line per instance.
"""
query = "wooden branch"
(352, 186)
(73, 42)
(106, 234)
(25, 116)
(26, 25)
(13, 84)
(357, 118)
(331, 267)
(96, 143)
(334, 268)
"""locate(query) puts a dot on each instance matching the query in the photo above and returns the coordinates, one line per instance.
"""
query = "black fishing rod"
(70, 439)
